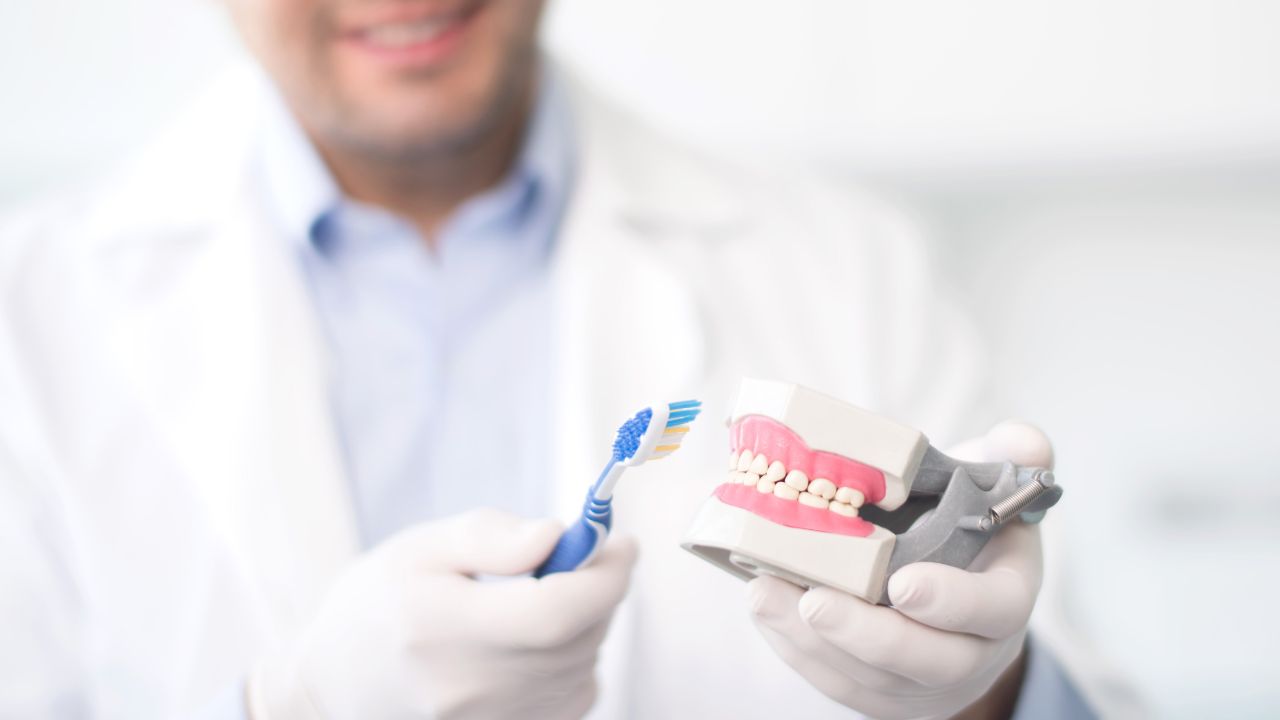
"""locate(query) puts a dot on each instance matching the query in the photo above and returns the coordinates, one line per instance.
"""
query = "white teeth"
(850, 496)
(843, 509)
(405, 34)
(776, 471)
(747, 469)
(823, 488)
(785, 491)
(812, 500)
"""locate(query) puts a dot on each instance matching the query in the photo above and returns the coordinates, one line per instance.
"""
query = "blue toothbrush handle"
(582, 540)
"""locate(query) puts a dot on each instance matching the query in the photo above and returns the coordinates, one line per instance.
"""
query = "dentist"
(276, 396)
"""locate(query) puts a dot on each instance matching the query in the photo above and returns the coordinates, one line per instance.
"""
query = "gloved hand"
(407, 632)
(950, 634)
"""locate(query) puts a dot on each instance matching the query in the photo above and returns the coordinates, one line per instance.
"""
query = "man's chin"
(400, 136)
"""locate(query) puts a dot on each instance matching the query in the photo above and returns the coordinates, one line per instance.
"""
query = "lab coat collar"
(190, 178)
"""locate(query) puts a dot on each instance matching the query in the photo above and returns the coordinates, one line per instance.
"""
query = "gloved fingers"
(553, 610)
(569, 703)
(825, 678)
(993, 600)
(1017, 548)
(1011, 440)
(775, 610)
(576, 655)
(1018, 442)
(971, 450)
(902, 702)
(885, 638)
(482, 541)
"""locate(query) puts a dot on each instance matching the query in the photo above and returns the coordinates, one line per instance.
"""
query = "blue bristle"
(628, 440)
(682, 418)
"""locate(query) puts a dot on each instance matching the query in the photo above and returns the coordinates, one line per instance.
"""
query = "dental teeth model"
(821, 493)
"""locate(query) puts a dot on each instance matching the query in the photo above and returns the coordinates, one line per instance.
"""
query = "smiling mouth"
(418, 36)
(803, 468)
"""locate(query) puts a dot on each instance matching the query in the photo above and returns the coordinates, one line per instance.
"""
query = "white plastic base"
(747, 545)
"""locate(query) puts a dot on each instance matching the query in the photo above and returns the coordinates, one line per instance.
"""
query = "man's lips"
(411, 34)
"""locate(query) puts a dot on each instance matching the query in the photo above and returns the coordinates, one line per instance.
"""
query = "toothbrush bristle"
(628, 439)
(680, 415)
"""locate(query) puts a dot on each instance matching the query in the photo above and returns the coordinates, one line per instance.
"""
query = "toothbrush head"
(654, 434)
(630, 434)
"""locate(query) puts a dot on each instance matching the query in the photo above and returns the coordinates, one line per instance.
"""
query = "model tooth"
(813, 501)
(776, 472)
(760, 464)
(852, 496)
(785, 491)
(764, 486)
(743, 478)
(843, 509)
(823, 488)
(744, 461)
(733, 460)
(798, 480)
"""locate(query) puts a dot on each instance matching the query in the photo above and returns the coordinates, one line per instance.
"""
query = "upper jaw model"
(822, 493)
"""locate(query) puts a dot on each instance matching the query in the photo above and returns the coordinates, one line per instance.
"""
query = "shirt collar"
(302, 193)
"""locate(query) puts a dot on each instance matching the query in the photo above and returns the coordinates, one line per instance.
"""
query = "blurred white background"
(1101, 178)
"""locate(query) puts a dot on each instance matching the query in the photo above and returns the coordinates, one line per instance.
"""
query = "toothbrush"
(650, 435)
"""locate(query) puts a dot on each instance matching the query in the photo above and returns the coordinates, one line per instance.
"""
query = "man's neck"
(427, 189)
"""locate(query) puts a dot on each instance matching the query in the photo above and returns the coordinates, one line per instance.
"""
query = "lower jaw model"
(821, 493)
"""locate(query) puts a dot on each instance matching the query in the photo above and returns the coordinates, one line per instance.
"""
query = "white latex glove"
(406, 632)
(951, 632)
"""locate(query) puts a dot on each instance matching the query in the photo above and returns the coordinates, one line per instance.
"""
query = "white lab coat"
(171, 497)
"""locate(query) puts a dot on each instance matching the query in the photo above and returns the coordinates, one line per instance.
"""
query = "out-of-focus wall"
(1101, 178)
(936, 84)
(82, 83)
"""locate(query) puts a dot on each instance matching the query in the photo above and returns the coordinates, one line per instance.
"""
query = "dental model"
(821, 493)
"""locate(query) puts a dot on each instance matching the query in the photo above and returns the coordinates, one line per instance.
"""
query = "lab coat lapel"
(225, 353)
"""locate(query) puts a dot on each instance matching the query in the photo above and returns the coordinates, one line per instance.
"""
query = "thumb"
(1020, 443)
(484, 542)
(1016, 441)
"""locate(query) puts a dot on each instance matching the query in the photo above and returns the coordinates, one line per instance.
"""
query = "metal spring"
(1014, 504)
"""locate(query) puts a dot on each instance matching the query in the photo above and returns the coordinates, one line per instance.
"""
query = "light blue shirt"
(440, 363)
